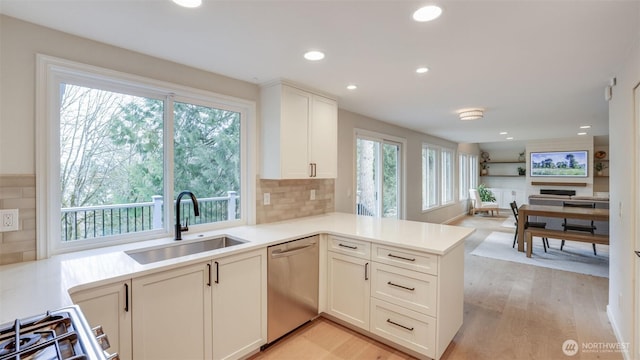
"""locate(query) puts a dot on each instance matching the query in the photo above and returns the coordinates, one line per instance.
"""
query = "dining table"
(525, 210)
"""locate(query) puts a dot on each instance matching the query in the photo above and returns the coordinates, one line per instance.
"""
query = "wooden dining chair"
(528, 224)
(590, 227)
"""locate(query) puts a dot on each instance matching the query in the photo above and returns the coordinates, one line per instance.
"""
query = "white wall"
(624, 190)
(344, 200)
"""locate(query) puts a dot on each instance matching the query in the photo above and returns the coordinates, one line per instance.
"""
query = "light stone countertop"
(31, 288)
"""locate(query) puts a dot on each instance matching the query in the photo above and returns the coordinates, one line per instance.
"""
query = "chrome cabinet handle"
(400, 286)
(402, 326)
(401, 257)
(348, 246)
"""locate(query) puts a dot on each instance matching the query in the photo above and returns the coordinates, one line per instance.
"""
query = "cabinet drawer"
(407, 288)
(405, 327)
(358, 248)
(408, 259)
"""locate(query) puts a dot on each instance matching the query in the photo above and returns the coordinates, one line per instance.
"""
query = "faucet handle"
(186, 225)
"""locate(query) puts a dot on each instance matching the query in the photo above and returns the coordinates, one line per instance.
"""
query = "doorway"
(379, 175)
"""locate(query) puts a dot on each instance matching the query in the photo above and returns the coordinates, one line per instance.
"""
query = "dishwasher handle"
(279, 253)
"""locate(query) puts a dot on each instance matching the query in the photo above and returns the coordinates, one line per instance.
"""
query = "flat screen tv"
(560, 163)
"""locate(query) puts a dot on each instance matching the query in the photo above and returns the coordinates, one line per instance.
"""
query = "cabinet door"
(108, 306)
(239, 304)
(323, 137)
(172, 314)
(294, 137)
(348, 289)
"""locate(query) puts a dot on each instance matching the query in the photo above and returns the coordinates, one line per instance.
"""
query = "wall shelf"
(501, 175)
(506, 162)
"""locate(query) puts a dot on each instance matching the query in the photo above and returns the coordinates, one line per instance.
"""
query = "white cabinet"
(108, 306)
(172, 314)
(348, 288)
(505, 196)
(239, 304)
(299, 133)
(410, 299)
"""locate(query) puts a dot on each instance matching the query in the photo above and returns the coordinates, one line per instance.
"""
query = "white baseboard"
(616, 332)
(455, 218)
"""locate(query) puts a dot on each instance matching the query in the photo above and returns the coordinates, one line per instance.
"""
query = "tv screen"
(560, 163)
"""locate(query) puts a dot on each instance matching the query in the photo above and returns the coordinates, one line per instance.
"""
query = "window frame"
(468, 176)
(50, 72)
(440, 177)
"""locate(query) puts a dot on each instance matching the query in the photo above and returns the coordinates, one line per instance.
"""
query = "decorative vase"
(484, 172)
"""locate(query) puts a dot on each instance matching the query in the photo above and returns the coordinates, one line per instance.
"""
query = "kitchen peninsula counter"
(34, 287)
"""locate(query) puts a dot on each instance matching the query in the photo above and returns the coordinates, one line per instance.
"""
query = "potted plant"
(484, 168)
(521, 170)
(599, 168)
(485, 194)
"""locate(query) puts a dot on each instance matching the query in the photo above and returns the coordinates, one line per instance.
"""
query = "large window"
(115, 147)
(378, 175)
(468, 174)
(438, 186)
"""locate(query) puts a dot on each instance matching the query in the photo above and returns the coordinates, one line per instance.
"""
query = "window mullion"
(168, 146)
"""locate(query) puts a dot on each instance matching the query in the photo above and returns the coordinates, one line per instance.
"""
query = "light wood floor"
(511, 311)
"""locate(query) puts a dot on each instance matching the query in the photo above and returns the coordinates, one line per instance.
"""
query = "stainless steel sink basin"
(147, 256)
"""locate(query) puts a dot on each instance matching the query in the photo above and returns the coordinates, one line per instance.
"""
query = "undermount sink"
(147, 256)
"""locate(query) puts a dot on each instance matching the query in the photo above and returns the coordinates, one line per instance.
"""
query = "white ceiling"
(539, 68)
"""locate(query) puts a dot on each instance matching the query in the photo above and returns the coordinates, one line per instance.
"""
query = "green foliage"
(485, 194)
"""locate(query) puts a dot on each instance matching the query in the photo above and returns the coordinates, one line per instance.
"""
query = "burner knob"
(102, 338)
(113, 356)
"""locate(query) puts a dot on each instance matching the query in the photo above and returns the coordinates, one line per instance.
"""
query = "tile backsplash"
(19, 192)
(291, 199)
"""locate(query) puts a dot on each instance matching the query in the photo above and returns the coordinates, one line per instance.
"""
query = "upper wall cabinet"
(299, 133)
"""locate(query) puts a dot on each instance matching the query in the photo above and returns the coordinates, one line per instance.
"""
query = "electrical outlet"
(266, 200)
(8, 220)
(313, 195)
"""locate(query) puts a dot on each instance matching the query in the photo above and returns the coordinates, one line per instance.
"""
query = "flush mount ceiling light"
(503, 133)
(427, 13)
(585, 127)
(582, 133)
(510, 138)
(471, 114)
(352, 87)
(188, 3)
(314, 55)
(422, 70)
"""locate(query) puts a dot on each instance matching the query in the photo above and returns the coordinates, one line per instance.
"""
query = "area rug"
(509, 223)
(575, 256)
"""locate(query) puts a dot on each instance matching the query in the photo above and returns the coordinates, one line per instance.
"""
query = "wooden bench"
(563, 235)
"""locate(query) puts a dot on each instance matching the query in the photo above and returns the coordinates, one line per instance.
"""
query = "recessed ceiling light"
(352, 87)
(585, 127)
(582, 133)
(510, 138)
(422, 70)
(427, 13)
(314, 55)
(188, 3)
(503, 133)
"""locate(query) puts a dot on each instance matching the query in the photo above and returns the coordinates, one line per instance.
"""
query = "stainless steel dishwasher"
(292, 285)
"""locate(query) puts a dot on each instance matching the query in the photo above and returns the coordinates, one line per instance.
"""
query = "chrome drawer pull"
(402, 326)
(348, 247)
(400, 257)
(400, 286)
